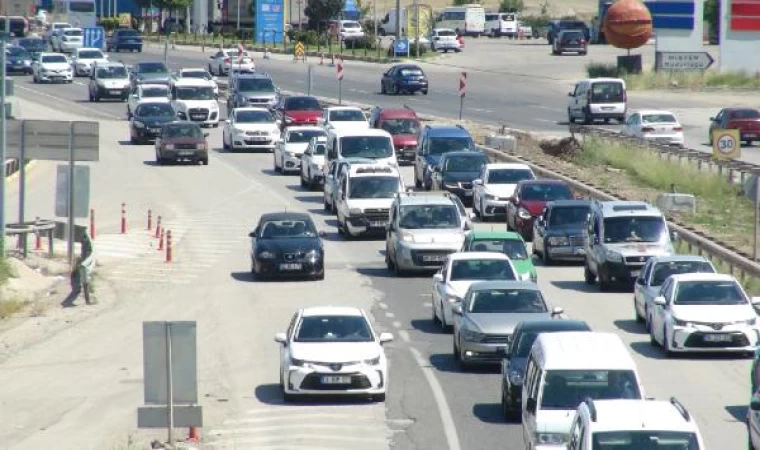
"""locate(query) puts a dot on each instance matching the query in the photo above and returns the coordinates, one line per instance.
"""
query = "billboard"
(739, 35)
(270, 21)
(677, 24)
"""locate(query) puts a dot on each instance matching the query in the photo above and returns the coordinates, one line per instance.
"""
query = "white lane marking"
(480, 110)
(546, 121)
(289, 412)
(427, 304)
(382, 305)
(390, 315)
(97, 111)
(304, 426)
(396, 324)
(449, 427)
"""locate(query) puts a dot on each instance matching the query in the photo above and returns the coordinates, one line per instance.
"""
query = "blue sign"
(270, 20)
(94, 37)
(672, 14)
(401, 46)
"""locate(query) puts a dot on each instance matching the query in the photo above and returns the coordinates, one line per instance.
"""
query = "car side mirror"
(214, 78)
(477, 182)
(438, 277)
(278, 122)
(252, 234)
(570, 94)
(385, 337)
(457, 309)
(673, 236)
(134, 95)
(596, 240)
(211, 57)
(557, 311)
(659, 300)
(712, 119)
(281, 338)
(530, 405)
(205, 135)
(322, 234)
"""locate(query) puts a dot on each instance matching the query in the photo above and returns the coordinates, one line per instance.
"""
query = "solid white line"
(397, 324)
(428, 304)
(546, 121)
(290, 409)
(299, 437)
(306, 427)
(382, 305)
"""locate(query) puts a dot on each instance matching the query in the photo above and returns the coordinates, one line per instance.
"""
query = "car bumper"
(447, 45)
(705, 339)
(246, 67)
(82, 70)
(122, 93)
(212, 118)
(621, 272)
(278, 268)
(524, 227)
(566, 252)
(598, 113)
(406, 155)
(424, 257)
(464, 194)
(21, 67)
(671, 139)
(291, 163)
(413, 87)
(483, 352)
(70, 46)
(361, 225)
(247, 142)
(750, 136)
(364, 379)
(146, 133)
(56, 77)
(128, 45)
(493, 208)
(191, 155)
(569, 48)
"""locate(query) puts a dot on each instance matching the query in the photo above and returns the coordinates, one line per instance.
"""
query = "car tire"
(274, 164)
(388, 262)
(587, 118)
(328, 208)
(570, 118)
(604, 282)
(303, 182)
(546, 259)
(652, 340)
(445, 327)
(666, 343)
(204, 161)
(509, 412)
(434, 309)
(288, 398)
(425, 92)
(320, 277)
(378, 398)
(382, 88)
(588, 276)
(393, 89)
(133, 140)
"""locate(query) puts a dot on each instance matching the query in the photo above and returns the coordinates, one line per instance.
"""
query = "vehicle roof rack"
(681, 409)
(591, 407)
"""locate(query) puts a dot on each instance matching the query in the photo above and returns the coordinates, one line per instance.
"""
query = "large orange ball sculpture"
(627, 24)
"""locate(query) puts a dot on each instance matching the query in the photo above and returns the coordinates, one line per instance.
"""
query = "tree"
(511, 6)
(321, 11)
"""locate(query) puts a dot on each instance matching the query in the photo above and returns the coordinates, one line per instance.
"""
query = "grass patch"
(667, 80)
(10, 307)
(751, 284)
(6, 271)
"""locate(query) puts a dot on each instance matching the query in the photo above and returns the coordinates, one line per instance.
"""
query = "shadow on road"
(488, 412)
(309, 199)
(644, 348)
(630, 326)
(375, 272)
(580, 286)
(271, 394)
(445, 362)
(428, 326)
(738, 412)
(243, 276)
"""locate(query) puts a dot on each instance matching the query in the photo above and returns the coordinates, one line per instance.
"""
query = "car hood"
(714, 313)
(523, 266)
(437, 236)
(350, 125)
(296, 147)
(303, 116)
(404, 140)
(184, 140)
(534, 207)
(18, 59)
(498, 323)
(460, 176)
(641, 249)
(187, 104)
(318, 160)
(90, 62)
(290, 245)
(155, 120)
(258, 94)
(372, 203)
(565, 230)
(56, 66)
(115, 83)
(154, 100)
(153, 77)
(500, 190)
(269, 127)
(554, 420)
(335, 352)
(459, 287)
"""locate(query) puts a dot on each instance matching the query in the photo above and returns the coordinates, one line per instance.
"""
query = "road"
(90, 372)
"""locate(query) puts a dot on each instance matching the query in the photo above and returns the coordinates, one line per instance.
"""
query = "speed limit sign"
(726, 144)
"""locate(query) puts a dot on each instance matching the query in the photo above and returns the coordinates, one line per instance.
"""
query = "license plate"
(378, 224)
(434, 258)
(717, 338)
(607, 109)
(155, 130)
(290, 266)
(198, 117)
(258, 139)
(115, 92)
(334, 379)
(751, 135)
(185, 153)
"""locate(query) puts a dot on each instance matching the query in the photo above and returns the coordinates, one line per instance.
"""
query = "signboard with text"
(683, 61)
(270, 20)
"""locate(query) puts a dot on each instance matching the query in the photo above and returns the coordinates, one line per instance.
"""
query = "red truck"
(746, 120)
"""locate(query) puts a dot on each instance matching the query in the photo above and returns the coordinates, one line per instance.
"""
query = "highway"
(90, 370)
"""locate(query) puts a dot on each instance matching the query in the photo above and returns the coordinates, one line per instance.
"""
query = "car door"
(419, 159)
(340, 196)
(596, 249)
(439, 287)
(661, 313)
(285, 348)
(640, 288)
(387, 78)
(572, 103)
(477, 189)
(511, 206)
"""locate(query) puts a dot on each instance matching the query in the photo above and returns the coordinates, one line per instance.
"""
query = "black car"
(404, 78)
(456, 171)
(147, 120)
(516, 358)
(125, 39)
(558, 232)
(33, 45)
(287, 244)
(17, 59)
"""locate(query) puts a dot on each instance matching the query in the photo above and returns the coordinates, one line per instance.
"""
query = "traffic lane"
(67, 98)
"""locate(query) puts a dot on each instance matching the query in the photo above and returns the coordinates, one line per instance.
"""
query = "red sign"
(745, 15)
(339, 68)
(462, 84)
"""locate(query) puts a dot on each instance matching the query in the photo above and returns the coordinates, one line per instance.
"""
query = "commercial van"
(467, 20)
(563, 370)
(370, 143)
(598, 98)
(501, 24)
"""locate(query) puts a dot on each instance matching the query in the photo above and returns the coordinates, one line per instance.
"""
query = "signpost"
(726, 145)
(339, 75)
(299, 52)
(311, 78)
(683, 61)
(462, 92)
(401, 47)
(4, 35)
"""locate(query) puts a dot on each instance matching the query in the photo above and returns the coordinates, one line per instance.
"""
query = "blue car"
(17, 59)
(125, 39)
(404, 78)
(434, 142)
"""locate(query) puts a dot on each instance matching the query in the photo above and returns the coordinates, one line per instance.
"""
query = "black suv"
(125, 39)
(556, 26)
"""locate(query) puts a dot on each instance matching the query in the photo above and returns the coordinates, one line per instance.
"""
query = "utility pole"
(398, 20)
(374, 15)
(238, 15)
(3, 130)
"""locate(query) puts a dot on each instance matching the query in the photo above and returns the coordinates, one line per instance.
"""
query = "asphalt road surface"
(79, 387)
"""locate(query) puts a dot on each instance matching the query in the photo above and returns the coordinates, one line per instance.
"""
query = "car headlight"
(491, 197)
(238, 130)
(515, 377)
(355, 212)
(524, 213)
(297, 362)
(472, 336)
(312, 254)
(558, 240)
(407, 237)
(290, 154)
(680, 323)
(551, 438)
(614, 257)
(201, 146)
(139, 124)
(266, 254)
(372, 362)
(289, 119)
(449, 185)
(169, 146)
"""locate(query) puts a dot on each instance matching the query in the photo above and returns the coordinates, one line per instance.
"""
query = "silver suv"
(110, 80)
(423, 229)
(620, 237)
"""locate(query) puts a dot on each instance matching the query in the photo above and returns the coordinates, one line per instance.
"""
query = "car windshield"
(709, 293)
(366, 147)
(744, 114)
(158, 68)
(568, 216)
(199, 74)
(400, 126)
(182, 130)
(255, 85)
(17, 52)
(33, 44)
(658, 118)
(411, 72)
(303, 136)
(158, 91)
(509, 176)
(572, 35)
(351, 25)
(513, 248)
(319, 149)
(447, 33)
(663, 270)
(90, 54)
(72, 32)
(538, 192)
(112, 72)
(302, 104)
(634, 229)
(508, 301)
(254, 117)
(334, 329)
(481, 269)
(54, 59)
(374, 187)
(284, 229)
(347, 115)
(195, 93)
(464, 163)
(644, 440)
(82, 7)
(155, 110)
(429, 216)
(607, 92)
(441, 145)
(566, 389)
(525, 344)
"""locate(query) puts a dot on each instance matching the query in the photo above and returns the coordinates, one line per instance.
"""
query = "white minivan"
(371, 143)
(501, 24)
(467, 20)
(598, 98)
(563, 370)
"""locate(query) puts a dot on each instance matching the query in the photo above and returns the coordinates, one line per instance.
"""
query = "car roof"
(702, 276)
(503, 284)
(463, 154)
(285, 216)
(193, 69)
(397, 113)
(344, 108)
(259, 75)
(678, 258)
(433, 198)
(446, 131)
(542, 182)
(468, 256)
(629, 415)
(153, 86)
(620, 208)
(553, 325)
(561, 203)
(372, 170)
(145, 63)
(251, 108)
(406, 66)
(494, 234)
(604, 79)
(332, 311)
(87, 49)
(72, 28)
(513, 166)
(653, 111)
(301, 127)
(582, 349)
(190, 82)
(361, 132)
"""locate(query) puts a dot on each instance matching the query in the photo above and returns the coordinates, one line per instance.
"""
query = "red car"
(403, 124)
(530, 198)
(298, 110)
(746, 120)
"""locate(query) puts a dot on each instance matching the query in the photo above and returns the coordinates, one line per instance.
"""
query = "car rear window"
(73, 32)
(573, 35)
(658, 118)
(744, 114)
(607, 92)
(128, 33)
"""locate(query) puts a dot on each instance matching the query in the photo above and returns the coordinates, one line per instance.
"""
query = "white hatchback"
(250, 129)
(444, 39)
(52, 67)
(82, 60)
(658, 126)
(289, 149)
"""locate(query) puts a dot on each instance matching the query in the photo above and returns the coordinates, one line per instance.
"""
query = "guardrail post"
(169, 246)
(123, 218)
(158, 227)
(150, 220)
(161, 241)
(92, 223)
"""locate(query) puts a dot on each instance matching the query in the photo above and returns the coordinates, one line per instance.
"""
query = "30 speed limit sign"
(726, 144)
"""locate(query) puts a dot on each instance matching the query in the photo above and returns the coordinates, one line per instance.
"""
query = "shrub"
(598, 70)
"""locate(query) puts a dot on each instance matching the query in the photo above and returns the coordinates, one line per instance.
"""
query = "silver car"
(487, 317)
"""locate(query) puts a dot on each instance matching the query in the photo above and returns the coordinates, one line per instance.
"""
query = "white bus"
(79, 13)
(466, 19)
(501, 24)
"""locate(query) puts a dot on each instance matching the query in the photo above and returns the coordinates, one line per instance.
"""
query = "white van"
(598, 98)
(469, 20)
(387, 25)
(564, 369)
(501, 24)
(194, 99)
(371, 143)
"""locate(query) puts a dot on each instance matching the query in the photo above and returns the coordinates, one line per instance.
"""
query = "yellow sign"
(726, 144)
(299, 50)
(125, 20)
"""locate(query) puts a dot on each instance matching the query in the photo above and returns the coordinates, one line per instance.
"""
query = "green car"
(507, 242)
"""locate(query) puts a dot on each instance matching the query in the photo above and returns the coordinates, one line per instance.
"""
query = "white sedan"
(343, 118)
(147, 92)
(459, 271)
(250, 129)
(82, 60)
(198, 73)
(52, 67)
(496, 186)
(658, 126)
(226, 58)
(332, 350)
(289, 149)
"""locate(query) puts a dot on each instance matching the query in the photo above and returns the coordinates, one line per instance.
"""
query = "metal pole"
(166, 50)
(169, 383)
(70, 230)
(22, 176)
(417, 27)
(3, 130)
(102, 12)
(311, 77)
(398, 20)
(299, 2)
(238, 15)
(461, 106)
(374, 15)
(757, 206)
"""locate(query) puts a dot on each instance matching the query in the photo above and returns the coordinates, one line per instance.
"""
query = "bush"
(367, 41)
(109, 23)
(308, 37)
(598, 70)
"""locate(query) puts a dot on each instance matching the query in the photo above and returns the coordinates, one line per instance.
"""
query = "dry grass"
(11, 307)
(681, 80)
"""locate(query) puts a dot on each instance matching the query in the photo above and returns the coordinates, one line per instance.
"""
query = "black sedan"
(147, 120)
(17, 59)
(558, 234)
(287, 244)
(33, 45)
(403, 78)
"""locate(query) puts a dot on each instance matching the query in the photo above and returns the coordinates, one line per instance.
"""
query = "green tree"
(511, 6)
(464, 2)
(711, 15)
(320, 11)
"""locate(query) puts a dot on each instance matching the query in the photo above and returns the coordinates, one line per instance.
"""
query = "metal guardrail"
(39, 228)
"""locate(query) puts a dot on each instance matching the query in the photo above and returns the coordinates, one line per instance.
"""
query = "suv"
(570, 41)
(555, 26)
(633, 424)
(251, 89)
(365, 194)
(620, 237)
(434, 141)
(109, 80)
(456, 171)
(423, 229)
(403, 124)
(194, 100)
(125, 39)
(151, 72)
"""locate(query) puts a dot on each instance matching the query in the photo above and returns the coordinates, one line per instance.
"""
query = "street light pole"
(3, 130)
(374, 15)
(238, 15)
(398, 20)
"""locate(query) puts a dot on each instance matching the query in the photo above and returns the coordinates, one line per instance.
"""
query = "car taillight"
(583, 41)
(227, 60)
(647, 129)
(677, 129)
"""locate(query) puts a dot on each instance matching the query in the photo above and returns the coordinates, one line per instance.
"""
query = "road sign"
(401, 46)
(184, 366)
(726, 144)
(683, 60)
(300, 51)
(48, 140)
(81, 191)
(339, 67)
(462, 84)
(93, 37)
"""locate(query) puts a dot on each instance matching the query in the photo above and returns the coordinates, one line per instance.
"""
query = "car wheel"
(312, 184)
(274, 163)
(546, 259)
(382, 88)
(388, 262)
(444, 325)
(378, 398)
(204, 161)
(35, 80)
(588, 276)
(639, 317)
(417, 183)
(570, 118)
(587, 118)
(508, 409)
(434, 309)
(666, 342)
(393, 89)
(320, 277)
(288, 398)
(604, 282)
(327, 205)
(303, 181)
(425, 92)
(133, 140)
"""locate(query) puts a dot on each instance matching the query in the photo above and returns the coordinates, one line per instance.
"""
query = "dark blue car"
(17, 59)
(456, 171)
(435, 141)
(33, 45)
(404, 78)
(125, 39)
